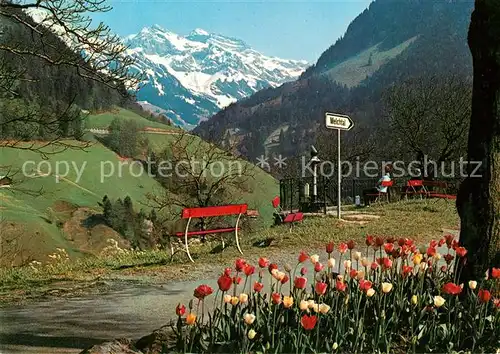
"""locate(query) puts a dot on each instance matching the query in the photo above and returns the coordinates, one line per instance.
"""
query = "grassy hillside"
(103, 120)
(46, 208)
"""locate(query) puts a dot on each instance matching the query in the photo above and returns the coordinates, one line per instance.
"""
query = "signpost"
(339, 122)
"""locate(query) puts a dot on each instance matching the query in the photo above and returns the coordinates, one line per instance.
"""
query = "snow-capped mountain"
(190, 78)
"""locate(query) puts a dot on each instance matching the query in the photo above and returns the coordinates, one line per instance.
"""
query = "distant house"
(5, 181)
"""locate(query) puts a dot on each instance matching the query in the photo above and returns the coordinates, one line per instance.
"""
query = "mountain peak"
(199, 32)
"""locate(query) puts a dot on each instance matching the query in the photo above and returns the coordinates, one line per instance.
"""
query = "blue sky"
(286, 28)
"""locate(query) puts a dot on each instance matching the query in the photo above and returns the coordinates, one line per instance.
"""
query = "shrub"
(397, 298)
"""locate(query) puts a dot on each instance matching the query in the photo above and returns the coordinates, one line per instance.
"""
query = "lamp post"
(314, 162)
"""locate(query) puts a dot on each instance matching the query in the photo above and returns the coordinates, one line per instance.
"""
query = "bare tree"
(429, 117)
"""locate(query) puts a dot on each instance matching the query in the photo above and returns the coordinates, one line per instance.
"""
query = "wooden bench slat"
(223, 210)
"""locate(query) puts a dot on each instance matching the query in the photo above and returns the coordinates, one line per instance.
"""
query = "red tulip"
(257, 287)
(396, 253)
(227, 271)
(321, 288)
(454, 244)
(484, 295)
(329, 247)
(300, 282)
(369, 240)
(351, 244)
(276, 298)
(391, 239)
(308, 322)
(451, 289)
(364, 285)
(374, 266)
(272, 266)
(180, 310)
(441, 242)
(343, 248)
(285, 279)
(431, 251)
(401, 242)
(461, 251)
(303, 257)
(340, 286)
(224, 282)
(303, 271)
(449, 240)
(443, 268)
(353, 273)
(495, 273)
(433, 244)
(202, 291)
(248, 269)
(387, 263)
(318, 267)
(388, 248)
(379, 241)
(236, 280)
(263, 262)
(448, 258)
(240, 264)
(496, 302)
(407, 270)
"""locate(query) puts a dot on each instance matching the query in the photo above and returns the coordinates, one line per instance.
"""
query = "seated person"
(379, 188)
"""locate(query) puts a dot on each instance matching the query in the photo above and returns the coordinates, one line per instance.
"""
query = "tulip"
(331, 262)
(329, 247)
(365, 262)
(386, 287)
(448, 258)
(303, 271)
(180, 310)
(243, 298)
(276, 298)
(315, 308)
(461, 251)
(387, 263)
(379, 241)
(287, 301)
(360, 275)
(227, 298)
(272, 267)
(303, 257)
(417, 258)
(407, 270)
(353, 273)
(437, 256)
(202, 291)
(234, 300)
(335, 346)
(340, 286)
(190, 319)
(343, 248)
(224, 282)
(310, 303)
(300, 282)
(472, 284)
(451, 289)
(240, 264)
(340, 277)
(414, 299)
(347, 264)
(369, 240)
(439, 301)
(321, 288)
(257, 287)
(324, 308)
(263, 262)
(495, 273)
(431, 251)
(249, 318)
(364, 285)
(308, 322)
(388, 248)
(374, 266)
(370, 292)
(304, 305)
(248, 270)
(484, 296)
(351, 244)
(227, 271)
(288, 268)
(318, 267)
(314, 259)
(356, 255)
(251, 334)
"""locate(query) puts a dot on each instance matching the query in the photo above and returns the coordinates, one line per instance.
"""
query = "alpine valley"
(190, 78)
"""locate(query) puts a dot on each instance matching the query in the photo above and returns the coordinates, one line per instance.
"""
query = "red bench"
(441, 192)
(286, 218)
(411, 188)
(382, 194)
(206, 212)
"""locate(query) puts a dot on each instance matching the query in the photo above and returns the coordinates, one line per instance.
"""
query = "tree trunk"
(478, 201)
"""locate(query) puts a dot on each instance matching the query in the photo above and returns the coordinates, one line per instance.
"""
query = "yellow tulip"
(472, 284)
(314, 259)
(365, 262)
(417, 258)
(249, 318)
(331, 262)
(360, 275)
(347, 264)
(243, 298)
(356, 256)
(303, 305)
(227, 298)
(315, 308)
(370, 292)
(234, 301)
(191, 319)
(335, 346)
(439, 301)
(414, 299)
(386, 287)
(324, 308)
(251, 334)
(287, 301)
(437, 256)
(310, 303)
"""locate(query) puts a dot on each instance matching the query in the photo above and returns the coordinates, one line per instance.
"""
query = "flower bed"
(397, 299)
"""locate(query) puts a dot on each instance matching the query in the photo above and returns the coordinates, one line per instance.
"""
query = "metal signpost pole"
(338, 174)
